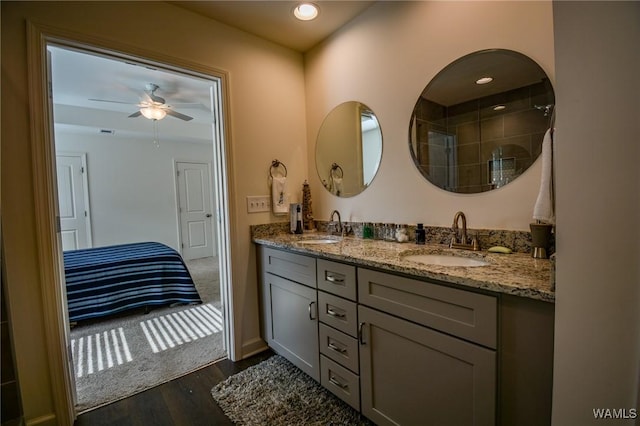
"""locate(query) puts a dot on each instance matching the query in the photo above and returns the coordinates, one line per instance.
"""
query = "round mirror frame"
(469, 137)
(348, 149)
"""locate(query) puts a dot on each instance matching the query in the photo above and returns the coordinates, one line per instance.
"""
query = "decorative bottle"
(298, 220)
(420, 234)
(367, 231)
(306, 207)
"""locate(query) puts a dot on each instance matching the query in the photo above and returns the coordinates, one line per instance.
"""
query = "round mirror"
(480, 122)
(348, 149)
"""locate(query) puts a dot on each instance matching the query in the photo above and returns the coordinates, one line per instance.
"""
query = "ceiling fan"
(154, 107)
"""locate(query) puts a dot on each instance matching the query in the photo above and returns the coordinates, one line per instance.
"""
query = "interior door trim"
(43, 160)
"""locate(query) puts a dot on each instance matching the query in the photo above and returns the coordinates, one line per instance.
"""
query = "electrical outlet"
(258, 203)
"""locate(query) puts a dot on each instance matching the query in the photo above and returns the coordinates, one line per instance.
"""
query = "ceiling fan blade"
(197, 105)
(135, 114)
(178, 115)
(156, 99)
(113, 102)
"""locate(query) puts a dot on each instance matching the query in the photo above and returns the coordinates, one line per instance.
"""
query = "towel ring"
(275, 164)
(334, 170)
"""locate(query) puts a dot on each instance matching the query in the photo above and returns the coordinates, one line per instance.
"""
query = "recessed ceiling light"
(484, 80)
(306, 11)
(499, 107)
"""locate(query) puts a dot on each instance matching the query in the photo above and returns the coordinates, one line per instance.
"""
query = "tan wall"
(266, 92)
(384, 59)
(597, 345)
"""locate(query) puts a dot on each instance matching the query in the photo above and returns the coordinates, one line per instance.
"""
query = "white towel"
(336, 187)
(279, 198)
(544, 207)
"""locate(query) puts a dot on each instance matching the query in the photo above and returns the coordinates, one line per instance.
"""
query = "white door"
(195, 211)
(73, 201)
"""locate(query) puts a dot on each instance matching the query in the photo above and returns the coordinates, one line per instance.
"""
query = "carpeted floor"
(275, 392)
(206, 275)
(124, 355)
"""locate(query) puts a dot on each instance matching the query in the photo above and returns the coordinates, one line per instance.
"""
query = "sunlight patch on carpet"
(174, 329)
(97, 352)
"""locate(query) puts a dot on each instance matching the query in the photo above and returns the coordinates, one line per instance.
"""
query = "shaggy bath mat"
(275, 392)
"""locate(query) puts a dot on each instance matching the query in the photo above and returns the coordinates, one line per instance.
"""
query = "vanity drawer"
(461, 313)
(294, 267)
(337, 278)
(339, 347)
(338, 313)
(340, 381)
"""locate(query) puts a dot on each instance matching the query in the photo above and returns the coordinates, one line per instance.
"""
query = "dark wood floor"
(184, 401)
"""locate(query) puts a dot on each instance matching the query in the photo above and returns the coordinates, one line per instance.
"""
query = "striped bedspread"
(105, 280)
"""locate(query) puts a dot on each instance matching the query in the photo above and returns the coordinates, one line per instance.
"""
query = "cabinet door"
(411, 375)
(290, 311)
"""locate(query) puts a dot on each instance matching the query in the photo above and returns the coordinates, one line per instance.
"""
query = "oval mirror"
(348, 149)
(480, 122)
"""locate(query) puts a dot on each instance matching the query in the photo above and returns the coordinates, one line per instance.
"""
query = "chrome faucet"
(332, 222)
(462, 241)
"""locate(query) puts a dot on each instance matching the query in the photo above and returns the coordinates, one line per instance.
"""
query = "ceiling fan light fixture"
(153, 113)
(306, 11)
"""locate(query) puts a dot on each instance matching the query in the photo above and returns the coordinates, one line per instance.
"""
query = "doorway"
(134, 197)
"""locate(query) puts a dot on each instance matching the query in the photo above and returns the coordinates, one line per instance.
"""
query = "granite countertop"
(517, 273)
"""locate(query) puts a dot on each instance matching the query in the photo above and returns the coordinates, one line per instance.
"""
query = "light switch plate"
(258, 203)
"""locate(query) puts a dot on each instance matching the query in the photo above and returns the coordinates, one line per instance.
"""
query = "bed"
(106, 280)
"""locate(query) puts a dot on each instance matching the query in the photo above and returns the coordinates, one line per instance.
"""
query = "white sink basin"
(319, 241)
(445, 260)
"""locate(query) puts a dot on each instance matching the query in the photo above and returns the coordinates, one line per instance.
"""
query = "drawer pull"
(335, 381)
(310, 316)
(334, 279)
(335, 314)
(337, 349)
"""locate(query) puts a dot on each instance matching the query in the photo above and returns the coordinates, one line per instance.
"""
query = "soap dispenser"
(420, 234)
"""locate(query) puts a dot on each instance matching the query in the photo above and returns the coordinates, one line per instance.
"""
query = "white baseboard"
(49, 419)
(253, 347)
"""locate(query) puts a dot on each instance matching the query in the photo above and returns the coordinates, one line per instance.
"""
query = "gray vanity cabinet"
(407, 351)
(413, 374)
(289, 303)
